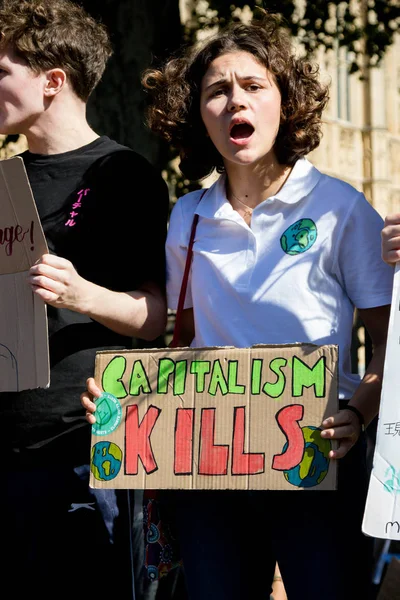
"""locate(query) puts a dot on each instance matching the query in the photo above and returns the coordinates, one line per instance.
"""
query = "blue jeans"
(230, 540)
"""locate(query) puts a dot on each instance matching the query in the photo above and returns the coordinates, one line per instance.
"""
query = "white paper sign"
(382, 510)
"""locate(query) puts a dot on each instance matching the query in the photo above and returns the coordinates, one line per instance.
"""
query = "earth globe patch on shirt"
(299, 237)
(108, 414)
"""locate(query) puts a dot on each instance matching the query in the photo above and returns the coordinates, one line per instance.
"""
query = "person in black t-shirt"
(103, 282)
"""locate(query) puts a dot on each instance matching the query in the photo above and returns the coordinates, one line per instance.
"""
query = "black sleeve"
(135, 214)
(151, 236)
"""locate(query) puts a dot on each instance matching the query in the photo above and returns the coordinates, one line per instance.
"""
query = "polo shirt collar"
(301, 181)
(214, 203)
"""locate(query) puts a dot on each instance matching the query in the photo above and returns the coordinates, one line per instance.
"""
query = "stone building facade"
(361, 131)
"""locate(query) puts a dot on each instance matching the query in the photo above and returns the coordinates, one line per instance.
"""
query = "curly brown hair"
(174, 91)
(47, 34)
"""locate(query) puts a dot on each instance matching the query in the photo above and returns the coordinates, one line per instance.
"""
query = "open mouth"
(241, 131)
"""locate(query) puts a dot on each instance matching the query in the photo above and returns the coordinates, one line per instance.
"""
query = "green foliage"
(178, 185)
(320, 23)
(380, 36)
(365, 27)
(325, 23)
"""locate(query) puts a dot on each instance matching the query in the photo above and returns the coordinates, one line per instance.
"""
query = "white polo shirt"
(312, 254)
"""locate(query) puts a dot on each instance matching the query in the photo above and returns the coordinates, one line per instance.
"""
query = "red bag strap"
(185, 278)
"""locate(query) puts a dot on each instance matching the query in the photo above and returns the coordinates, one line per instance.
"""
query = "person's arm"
(136, 306)
(391, 239)
(93, 391)
(345, 426)
(141, 313)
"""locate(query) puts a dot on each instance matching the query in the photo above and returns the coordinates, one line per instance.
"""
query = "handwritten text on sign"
(382, 511)
(214, 418)
(24, 356)
(15, 235)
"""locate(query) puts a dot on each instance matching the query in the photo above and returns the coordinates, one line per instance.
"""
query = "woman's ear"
(55, 81)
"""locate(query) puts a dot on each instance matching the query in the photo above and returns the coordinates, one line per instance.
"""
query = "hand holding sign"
(88, 400)
(391, 239)
(55, 280)
(343, 426)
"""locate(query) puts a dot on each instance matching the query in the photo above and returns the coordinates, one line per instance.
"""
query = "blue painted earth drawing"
(105, 461)
(299, 237)
(313, 467)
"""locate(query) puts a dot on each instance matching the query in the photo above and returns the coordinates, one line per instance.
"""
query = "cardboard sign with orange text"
(214, 418)
(24, 353)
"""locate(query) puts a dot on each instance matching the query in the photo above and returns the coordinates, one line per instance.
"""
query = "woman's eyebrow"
(223, 80)
(218, 82)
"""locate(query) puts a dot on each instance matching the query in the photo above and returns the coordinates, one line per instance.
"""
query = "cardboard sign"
(214, 418)
(382, 510)
(24, 357)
